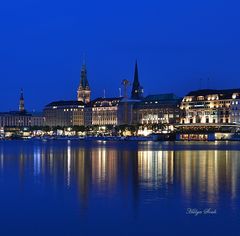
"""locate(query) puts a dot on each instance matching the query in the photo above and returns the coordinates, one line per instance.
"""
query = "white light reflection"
(68, 165)
(37, 161)
(1, 159)
(155, 168)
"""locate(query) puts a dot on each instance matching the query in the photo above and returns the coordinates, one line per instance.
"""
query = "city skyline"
(176, 45)
(134, 90)
(203, 84)
(119, 117)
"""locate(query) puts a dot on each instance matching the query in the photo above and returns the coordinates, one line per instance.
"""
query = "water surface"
(119, 188)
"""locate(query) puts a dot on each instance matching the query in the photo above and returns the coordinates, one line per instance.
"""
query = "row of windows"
(235, 114)
(202, 113)
(105, 109)
(72, 109)
(21, 121)
(198, 120)
(166, 111)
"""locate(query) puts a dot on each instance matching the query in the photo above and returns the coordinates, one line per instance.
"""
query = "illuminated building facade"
(157, 109)
(21, 118)
(84, 92)
(235, 109)
(64, 113)
(104, 111)
(209, 106)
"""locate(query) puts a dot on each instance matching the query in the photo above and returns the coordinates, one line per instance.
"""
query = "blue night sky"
(175, 42)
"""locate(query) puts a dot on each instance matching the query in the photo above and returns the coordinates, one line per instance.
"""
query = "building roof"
(156, 100)
(204, 92)
(160, 97)
(36, 113)
(15, 113)
(130, 100)
(101, 102)
(65, 103)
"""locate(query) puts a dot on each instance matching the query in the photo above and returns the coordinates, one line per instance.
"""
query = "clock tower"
(84, 92)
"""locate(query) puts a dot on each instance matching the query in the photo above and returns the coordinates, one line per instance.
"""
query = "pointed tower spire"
(83, 93)
(137, 90)
(21, 102)
(83, 81)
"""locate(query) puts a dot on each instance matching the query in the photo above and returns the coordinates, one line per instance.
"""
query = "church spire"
(21, 102)
(83, 81)
(137, 90)
(84, 91)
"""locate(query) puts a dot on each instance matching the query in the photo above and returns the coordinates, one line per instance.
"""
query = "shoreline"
(116, 139)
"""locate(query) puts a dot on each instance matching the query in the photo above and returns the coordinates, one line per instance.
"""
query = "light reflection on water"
(135, 174)
(198, 173)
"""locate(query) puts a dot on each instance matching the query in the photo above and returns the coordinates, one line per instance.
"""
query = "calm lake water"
(119, 188)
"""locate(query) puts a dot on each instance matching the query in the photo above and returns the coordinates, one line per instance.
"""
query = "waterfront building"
(21, 118)
(64, 113)
(209, 106)
(209, 115)
(84, 91)
(37, 119)
(101, 111)
(104, 111)
(157, 109)
(235, 109)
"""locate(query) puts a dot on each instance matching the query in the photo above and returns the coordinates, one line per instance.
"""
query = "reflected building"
(199, 174)
(82, 174)
(104, 168)
(204, 176)
(155, 168)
